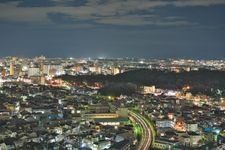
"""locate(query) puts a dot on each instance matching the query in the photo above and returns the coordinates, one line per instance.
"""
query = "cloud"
(114, 12)
(144, 20)
(183, 3)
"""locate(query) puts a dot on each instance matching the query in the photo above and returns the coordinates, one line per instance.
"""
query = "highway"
(146, 138)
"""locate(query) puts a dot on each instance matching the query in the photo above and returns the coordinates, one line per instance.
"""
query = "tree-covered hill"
(200, 81)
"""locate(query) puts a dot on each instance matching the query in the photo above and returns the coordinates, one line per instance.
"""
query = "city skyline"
(112, 74)
(115, 104)
(113, 28)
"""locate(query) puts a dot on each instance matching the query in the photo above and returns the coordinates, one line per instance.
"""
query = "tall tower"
(12, 67)
(42, 82)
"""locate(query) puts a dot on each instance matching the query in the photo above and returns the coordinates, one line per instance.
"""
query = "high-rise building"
(52, 69)
(115, 70)
(42, 79)
(12, 63)
(42, 82)
(34, 71)
(95, 69)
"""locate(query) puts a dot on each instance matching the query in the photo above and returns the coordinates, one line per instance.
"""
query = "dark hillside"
(201, 81)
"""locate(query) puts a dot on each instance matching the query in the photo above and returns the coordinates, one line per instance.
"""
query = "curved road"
(146, 138)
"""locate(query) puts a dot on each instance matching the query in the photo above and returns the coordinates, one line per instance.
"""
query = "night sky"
(113, 28)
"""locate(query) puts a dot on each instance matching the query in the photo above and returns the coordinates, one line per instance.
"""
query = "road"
(146, 138)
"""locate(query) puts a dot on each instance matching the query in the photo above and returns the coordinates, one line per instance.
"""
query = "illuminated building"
(42, 79)
(77, 69)
(180, 125)
(164, 123)
(164, 144)
(95, 69)
(115, 71)
(52, 69)
(111, 121)
(3, 72)
(34, 71)
(9, 107)
(98, 109)
(102, 115)
(148, 89)
(56, 82)
(222, 105)
(194, 139)
(12, 63)
(192, 127)
(188, 95)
